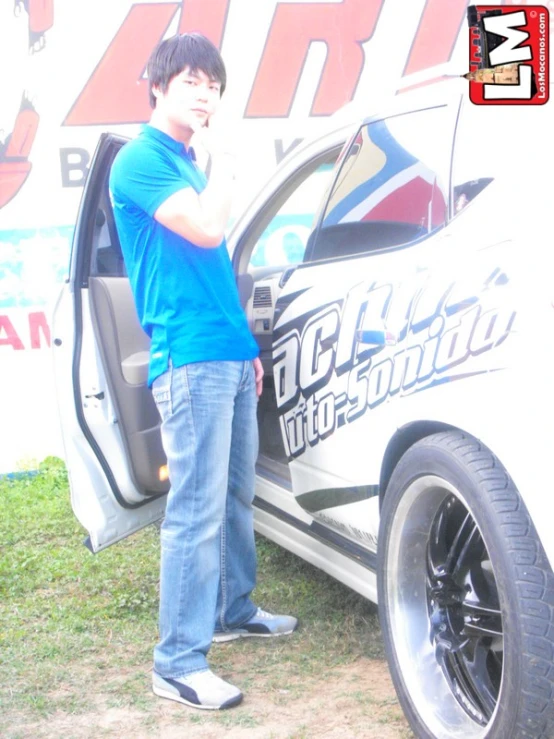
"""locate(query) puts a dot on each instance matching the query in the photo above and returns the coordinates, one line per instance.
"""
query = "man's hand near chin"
(217, 139)
(259, 373)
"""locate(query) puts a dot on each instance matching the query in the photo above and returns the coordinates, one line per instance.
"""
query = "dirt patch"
(353, 701)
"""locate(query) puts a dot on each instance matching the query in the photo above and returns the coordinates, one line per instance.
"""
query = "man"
(204, 371)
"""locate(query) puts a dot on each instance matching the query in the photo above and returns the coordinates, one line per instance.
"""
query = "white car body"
(367, 353)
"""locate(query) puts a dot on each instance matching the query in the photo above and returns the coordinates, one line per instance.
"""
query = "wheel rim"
(444, 610)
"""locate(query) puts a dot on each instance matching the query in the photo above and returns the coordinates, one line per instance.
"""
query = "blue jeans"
(208, 556)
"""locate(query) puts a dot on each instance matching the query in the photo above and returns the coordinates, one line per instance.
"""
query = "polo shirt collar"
(177, 146)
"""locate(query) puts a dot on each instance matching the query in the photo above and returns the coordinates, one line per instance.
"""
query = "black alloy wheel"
(466, 596)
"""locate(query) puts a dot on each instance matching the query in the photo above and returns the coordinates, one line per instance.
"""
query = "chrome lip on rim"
(444, 610)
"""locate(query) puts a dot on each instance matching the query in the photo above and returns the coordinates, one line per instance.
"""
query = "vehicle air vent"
(262, 297)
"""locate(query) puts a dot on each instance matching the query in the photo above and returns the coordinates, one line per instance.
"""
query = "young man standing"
(204, 371)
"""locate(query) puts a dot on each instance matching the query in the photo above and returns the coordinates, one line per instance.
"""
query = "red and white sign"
(72, 70)
(511, 47)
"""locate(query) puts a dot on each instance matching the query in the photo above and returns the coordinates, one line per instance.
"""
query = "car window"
(487, 149)
(288, 220)
(392, 188)
(106, 255)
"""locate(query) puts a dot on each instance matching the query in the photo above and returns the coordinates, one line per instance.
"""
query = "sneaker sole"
(161, 693)
(221, 638)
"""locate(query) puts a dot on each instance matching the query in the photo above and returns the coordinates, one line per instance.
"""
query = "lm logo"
(508, 55)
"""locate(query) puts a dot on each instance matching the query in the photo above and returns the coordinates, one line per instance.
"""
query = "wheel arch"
(401, 441)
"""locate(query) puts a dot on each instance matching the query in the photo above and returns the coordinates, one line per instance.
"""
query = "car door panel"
(317, 363)
(269, 248)
(336, 381)
(125, 355)
(113, 446)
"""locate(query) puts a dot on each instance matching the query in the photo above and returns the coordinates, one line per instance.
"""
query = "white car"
(397, 275)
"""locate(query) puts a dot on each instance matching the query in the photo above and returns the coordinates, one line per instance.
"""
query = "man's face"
(191, 99)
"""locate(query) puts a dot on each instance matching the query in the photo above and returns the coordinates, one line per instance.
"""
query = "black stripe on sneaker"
(231, 702)
(185, 692)
(257, 628)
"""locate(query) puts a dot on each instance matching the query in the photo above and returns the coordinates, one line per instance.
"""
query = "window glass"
(288, 224)
(393, 185)
(107, 258)
(491, 147)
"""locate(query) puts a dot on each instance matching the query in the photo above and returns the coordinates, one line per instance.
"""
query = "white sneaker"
(199, 690)
(262, 624)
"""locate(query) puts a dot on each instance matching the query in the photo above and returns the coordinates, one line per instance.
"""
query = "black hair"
(170, 57)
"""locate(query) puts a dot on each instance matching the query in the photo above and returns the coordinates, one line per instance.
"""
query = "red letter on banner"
(11, 338)
(116, 91)
(342, 26)
(437, 34)
(38, 322)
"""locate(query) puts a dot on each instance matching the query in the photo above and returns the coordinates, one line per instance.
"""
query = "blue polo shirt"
(186, 296)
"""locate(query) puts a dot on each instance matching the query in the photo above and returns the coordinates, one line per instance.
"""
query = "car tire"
(466, 596)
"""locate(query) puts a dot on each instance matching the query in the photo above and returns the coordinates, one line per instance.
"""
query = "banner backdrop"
(71, 69)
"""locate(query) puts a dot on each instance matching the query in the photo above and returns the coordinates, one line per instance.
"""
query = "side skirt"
(344, 560)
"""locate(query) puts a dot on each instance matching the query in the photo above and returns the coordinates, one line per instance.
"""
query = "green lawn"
(67, 616)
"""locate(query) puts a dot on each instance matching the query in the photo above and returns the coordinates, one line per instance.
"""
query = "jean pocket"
(162, 397)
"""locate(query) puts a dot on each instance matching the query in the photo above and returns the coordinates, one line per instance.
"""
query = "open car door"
(110, 424)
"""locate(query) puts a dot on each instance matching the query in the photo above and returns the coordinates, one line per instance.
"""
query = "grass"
(69, 619)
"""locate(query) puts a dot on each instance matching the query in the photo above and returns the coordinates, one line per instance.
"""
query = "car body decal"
(392, 185)
(318, 500)
(325, 378)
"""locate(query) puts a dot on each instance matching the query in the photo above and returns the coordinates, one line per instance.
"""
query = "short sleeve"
(144, 176)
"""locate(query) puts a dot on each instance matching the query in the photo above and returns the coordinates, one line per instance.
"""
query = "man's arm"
(202, 218)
